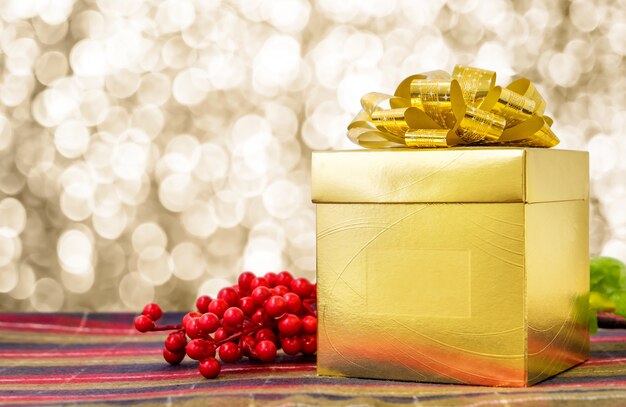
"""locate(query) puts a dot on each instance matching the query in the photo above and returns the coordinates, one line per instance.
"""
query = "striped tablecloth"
(97, 359)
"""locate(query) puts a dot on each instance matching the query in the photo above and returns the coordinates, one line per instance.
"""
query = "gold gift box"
(465, 265)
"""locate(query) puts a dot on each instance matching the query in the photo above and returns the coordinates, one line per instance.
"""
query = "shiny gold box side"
(557, 264)
(408, 176)
(449, 175)
(556, 175)
(422, 292)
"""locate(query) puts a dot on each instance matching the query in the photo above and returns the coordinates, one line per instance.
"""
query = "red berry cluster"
(254, 318)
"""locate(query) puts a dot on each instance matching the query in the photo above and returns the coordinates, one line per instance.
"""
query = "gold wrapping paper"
(435, 109)
(456, 265)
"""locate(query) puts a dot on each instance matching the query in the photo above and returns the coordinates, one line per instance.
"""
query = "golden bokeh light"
(152, 150)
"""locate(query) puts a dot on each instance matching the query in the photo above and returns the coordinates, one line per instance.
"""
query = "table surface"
(98, 359)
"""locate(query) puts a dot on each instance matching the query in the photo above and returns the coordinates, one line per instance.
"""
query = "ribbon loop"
(478, 125)
(433, 97)
(427, 138)
(475, 83)
(434, 109)
(513, 107)
(525, 88)
(393, 121)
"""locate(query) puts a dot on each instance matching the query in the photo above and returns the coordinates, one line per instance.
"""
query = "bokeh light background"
(152, 150)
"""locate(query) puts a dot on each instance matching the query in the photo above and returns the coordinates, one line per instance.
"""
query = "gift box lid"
(450, 175)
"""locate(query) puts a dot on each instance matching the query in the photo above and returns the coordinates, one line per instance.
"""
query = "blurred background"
(153, 150)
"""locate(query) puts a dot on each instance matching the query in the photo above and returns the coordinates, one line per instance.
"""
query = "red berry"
(190, 315)
(272, 279)
(202, 303)
(218, 306)
(261, 317)
(211, 348)
(193, 328)
(248, 325)
(302, 287)
(173, 358)
(175, 341)
(258, 282)
(290, 325)
(247, 305)
(233, 316)
(265, 350)
(152, 311)
(247, 345)
(281, 290)
(144, 323)
(260, 294)
(199, 349)
(229, 329)
(293, 302)
(209, 368)
(309, 307)
(229, 295)
(284, 278)
(265, 334)
(244, 281)
(291, 345)
(309, 324)
(229, 352)
(220, 335)
(276, 306)
(309, 344)
(209, 322)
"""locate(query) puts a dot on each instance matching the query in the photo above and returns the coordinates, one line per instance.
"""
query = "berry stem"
(239, 334)
(306, 304)
(168, 327)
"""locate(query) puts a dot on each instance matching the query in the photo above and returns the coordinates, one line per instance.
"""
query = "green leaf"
(600, 303)
(619, 298)
(607, 275)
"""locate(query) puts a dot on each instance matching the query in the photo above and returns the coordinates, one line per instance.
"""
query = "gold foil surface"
(393, 120)
(475, 83)
(426, 278)
(426, 138)
(514, 108)
(526, 88)
(434, 97)
(478, 125)
(468, 104)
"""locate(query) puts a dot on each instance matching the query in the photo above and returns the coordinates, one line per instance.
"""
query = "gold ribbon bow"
(434, 109)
